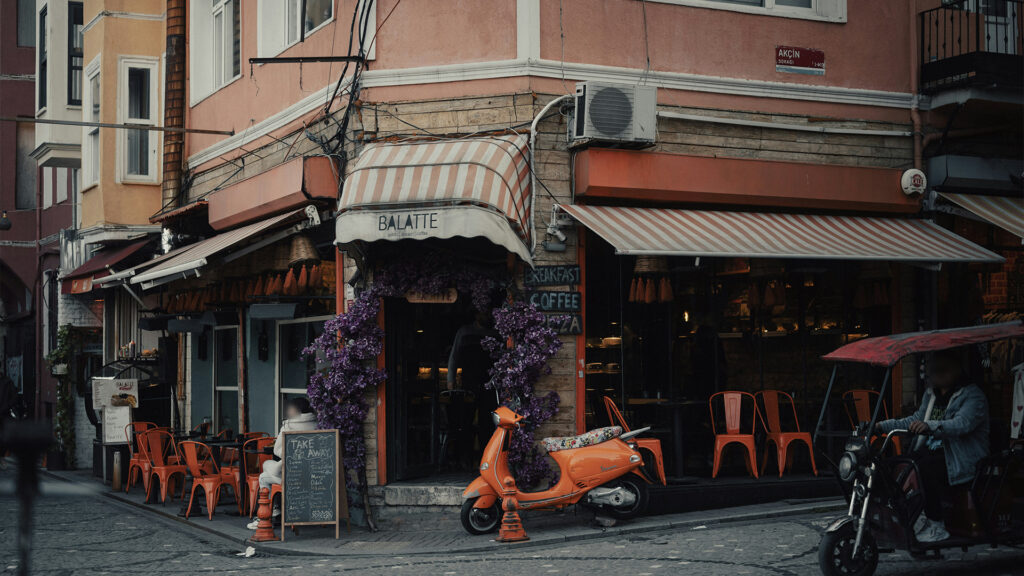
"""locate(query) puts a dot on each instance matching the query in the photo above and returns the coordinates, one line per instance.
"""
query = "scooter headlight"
(847, 466)
(495, 418)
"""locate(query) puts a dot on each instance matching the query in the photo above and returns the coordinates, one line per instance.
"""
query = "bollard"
(511, 525)
(265, 528)
(115, 476)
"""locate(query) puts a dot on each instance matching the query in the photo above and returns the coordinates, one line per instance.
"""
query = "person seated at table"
(299, 418)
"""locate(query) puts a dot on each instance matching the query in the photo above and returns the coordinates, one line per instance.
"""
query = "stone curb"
(652, 524)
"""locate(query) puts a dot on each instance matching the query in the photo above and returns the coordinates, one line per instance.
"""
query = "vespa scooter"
(600, 468)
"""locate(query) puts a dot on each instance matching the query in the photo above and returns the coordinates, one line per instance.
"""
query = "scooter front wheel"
(835, 553)
(478, 521)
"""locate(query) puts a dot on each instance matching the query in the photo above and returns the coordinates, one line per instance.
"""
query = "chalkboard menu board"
(313, 482)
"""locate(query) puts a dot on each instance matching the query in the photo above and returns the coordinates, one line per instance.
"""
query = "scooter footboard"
(482, 491)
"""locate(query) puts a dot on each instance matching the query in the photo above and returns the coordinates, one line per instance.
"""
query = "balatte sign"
(568, 275)
(409, 224)
(796, 60)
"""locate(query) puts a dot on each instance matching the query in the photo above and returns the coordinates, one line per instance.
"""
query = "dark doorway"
(433, 427)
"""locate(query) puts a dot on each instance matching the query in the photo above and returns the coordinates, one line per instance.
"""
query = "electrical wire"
(647, 50)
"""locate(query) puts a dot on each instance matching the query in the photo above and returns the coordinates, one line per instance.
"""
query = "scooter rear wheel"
(835, 553)
(478, 521)
(637, 488)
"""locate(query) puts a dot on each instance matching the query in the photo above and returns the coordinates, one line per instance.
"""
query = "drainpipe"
(915, 114)
(533, 169)
(174, 111)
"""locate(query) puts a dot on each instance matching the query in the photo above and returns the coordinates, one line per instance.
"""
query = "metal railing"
(972, 42)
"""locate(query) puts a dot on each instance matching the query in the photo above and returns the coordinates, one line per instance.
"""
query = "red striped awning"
(440, 188)
(80, 280)
(655, 231)
(1006, 212)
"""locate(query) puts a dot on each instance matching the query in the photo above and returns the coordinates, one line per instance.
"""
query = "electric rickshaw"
(883, 488)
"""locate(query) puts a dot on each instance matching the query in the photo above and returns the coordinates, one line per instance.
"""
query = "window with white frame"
(227, 56)
(60, 191)
(828, 10)
(293, 367)
(215, 46)
(281, 24)
(137, 104)
(75, 53)
(91, 112)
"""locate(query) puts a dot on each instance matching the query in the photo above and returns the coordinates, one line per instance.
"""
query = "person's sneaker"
(276, 512)
(934, 532)
(255, 524)
(920, 524)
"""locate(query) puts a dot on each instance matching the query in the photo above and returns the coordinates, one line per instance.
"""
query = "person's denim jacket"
(963, 430)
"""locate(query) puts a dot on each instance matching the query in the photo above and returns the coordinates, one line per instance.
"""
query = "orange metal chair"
(253, 468)
(161, 448)
(732, 403)
(199, 459)
(653, 444)
(138, 461)
(769, 406)
(863, 401)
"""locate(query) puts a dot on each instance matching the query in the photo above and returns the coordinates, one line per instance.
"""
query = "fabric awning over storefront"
(187, 261)
(1006, 212)
(653, 231)
(472, 187)
(887, 350)
(81, 279)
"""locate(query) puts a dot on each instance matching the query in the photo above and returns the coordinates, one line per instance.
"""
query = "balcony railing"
(972, 43)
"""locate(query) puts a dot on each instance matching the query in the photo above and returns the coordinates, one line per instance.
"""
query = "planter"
(59, 369)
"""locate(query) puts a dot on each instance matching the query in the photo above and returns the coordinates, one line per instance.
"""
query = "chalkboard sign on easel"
(313, 481)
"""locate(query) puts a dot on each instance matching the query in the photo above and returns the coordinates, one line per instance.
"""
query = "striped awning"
(654, 231)
(188, 260)
(1006, 212)
(470, 187)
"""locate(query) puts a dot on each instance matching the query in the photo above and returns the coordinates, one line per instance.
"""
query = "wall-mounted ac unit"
(619, 113)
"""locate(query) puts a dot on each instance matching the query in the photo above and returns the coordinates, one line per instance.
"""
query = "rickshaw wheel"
(835, 553)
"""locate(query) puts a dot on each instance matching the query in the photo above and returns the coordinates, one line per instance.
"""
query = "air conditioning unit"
(619, 113)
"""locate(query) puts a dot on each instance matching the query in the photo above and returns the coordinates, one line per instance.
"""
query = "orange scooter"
(600, 468)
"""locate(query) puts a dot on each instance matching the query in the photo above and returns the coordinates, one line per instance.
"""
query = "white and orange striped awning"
(656, 231)
(1006, 212)
(465, 187)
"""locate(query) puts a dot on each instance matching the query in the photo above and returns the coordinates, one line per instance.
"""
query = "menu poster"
(115, 419)
(117, 392)
(101, 388)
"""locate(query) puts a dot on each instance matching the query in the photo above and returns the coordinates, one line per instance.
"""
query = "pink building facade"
(778, 107)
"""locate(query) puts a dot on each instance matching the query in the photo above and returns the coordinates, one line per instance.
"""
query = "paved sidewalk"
(441, 532)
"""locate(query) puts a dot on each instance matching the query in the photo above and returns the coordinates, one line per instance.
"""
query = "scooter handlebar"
(634, 433)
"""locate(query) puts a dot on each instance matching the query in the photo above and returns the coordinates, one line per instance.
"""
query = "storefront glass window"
(665, 333)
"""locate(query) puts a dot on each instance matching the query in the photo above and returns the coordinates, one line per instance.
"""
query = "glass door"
(432, 425)
(225, 379)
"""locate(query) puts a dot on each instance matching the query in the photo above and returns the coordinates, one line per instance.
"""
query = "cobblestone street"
(79, 531)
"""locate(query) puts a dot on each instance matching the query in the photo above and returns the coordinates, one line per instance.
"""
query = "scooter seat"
(556, 443)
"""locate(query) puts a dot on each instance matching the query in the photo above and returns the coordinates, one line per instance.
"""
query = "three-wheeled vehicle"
(883, 489)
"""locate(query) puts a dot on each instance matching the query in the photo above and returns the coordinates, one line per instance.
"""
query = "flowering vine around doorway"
(351, 343)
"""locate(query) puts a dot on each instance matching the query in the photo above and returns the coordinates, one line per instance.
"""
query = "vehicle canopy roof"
(888, 350)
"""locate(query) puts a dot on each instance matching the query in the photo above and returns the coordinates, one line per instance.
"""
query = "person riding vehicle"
(954, 417)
